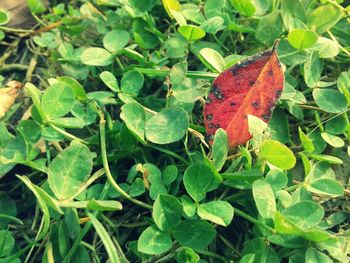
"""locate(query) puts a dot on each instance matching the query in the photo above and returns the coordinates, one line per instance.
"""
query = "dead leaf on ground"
(8, 96)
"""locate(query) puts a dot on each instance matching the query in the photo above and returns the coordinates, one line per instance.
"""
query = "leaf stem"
(87, 226)
(85, 185)
(165, 72)
(212, 254)
(67, 134)
(106, 166)
(253, 220)
(166, 151)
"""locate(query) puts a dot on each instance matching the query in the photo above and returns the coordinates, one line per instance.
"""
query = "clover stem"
(106, 166)
(67, 134)
(164, 73)
(253, 220)
(173, 154)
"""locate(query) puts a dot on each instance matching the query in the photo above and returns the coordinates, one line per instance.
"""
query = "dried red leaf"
(251, 86)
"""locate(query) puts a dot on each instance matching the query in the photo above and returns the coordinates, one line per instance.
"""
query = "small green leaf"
(306, 142)
(180, 19)
(36, 6)
(4, 17)
(196, 234)
(200, 179)
(58, 100)
(277, 179)
(327, 158)
(338, 124)
(277, 154)
(333, 140)
(95, 56)
(167, 211)
(178, 73)
(168, 126)
(153, 241)
(79, 91)
(7, 242)
(212, 59)
(191, 32)
(134, 115)
(218, 212)
(312, 255)
(70, 168)
(244, 7)
(170, 174)
(106, 239)
(110, 81)
(326, 47)
(257, 128)
(264, 198)
(330, 100)
(343, 84)
(115, 40)
(171, 5)
(324, 17)
(220, 149)
(187, 255)
(285, 226)
(189, 206)
(137, 188)
(301, 39)
(312, 69)
(270, 27)
(35, 95)
(247, 258)
(304, 214)
(213, 24)
(2, 36)
(328, 187)
(132, 82)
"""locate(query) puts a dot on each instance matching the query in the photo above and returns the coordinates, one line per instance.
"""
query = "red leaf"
(251, 86)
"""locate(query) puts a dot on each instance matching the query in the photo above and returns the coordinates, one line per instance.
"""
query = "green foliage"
(103, 153)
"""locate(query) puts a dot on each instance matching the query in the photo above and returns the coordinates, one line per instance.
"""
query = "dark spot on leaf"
(209, 117)
(217, 126)
(215, 89)
(251, 83)
(210, 137)
(208, 101)
(234, 72)
(270, 72)
(219, 96)
(211, 125)
(278, 93)
(255, 104)
(232, 104)
(265, 117)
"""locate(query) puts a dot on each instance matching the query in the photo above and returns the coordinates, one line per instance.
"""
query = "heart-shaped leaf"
(250, 87)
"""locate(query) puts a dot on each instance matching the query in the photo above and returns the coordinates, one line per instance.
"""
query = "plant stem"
(253, 220)
(175, 155)
(106, 166)
(87, 226)
(212, 254)
(85, 185)
(164, 73)
(67, 134)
